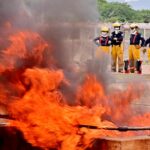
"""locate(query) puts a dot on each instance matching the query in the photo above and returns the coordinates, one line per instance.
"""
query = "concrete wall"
(81, 46)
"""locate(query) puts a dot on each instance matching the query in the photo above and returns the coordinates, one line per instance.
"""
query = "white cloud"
(131, 0)
(123, 1)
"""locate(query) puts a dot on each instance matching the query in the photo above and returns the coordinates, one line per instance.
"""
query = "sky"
(136, 4)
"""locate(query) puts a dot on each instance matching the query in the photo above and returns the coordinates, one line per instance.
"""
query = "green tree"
(101, 4)
(144, 15)
(115, 11)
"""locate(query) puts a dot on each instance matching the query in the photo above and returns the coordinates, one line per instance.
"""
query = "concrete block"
(130, 143)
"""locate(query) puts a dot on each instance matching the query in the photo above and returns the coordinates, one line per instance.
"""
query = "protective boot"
(113, 70)
(132, 68)
(126, 66)
(120, 70)
(138, 66)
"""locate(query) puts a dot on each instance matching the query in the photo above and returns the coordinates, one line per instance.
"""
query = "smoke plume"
(56, 21)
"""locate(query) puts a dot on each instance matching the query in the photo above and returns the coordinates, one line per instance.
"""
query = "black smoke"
(32, 13)
(56, 20)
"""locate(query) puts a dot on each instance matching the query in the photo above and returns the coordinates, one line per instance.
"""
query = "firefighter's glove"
(98, 44)
(144, 50)
(137, 46)
(115, 39)
(109, 42)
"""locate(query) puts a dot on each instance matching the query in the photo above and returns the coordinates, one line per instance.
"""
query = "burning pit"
(38, 109)
(50, 103)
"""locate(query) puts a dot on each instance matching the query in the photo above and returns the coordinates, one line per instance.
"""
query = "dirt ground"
(123, 80)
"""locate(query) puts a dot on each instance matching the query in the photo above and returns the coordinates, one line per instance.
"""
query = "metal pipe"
(121, 129)
(4, 124)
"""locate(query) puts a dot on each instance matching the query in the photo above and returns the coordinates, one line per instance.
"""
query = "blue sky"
(136, 4)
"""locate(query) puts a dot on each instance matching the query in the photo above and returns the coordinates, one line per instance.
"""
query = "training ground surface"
(122, 81)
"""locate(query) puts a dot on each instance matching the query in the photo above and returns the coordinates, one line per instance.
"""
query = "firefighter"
(103, 42)
(147, 42)
(117, 48)
(136, 42)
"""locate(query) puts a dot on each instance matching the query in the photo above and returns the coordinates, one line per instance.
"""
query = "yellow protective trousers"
(134, 56)
(148, 54)
(117, 58)
(102, 49)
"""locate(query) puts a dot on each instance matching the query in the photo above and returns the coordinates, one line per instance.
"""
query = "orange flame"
(47, 121)
(91, 93)
(35, 101)
(23, 46)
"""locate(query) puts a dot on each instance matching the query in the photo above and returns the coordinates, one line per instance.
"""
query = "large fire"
(34, 100)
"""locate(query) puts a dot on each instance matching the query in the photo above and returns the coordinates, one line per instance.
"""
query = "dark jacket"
(137, 39)
(119, 36)
(103, 41)
(147, 42)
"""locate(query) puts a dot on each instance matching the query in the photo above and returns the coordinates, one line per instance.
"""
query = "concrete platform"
(132, 143)
(122, 80)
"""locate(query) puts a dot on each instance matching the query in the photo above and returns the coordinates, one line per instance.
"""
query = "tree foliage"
(115, 11)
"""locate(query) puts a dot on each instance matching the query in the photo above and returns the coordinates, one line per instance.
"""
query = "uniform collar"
(104, 35)
(136, 32)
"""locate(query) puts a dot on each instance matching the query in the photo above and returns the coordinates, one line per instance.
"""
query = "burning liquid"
(33, 97)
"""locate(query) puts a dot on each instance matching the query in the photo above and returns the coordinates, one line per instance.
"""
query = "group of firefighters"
(115, 40)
